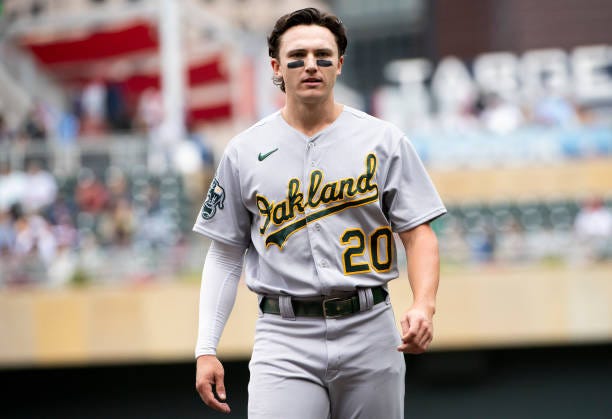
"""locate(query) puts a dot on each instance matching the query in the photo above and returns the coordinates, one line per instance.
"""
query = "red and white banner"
(127, 53)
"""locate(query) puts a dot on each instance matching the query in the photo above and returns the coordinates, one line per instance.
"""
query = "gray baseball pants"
(318, 368)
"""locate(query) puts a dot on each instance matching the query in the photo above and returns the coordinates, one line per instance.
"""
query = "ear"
(275, 66)
(340, 62)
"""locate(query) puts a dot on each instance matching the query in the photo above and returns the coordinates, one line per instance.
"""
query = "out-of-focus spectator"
(156, 228)
(117, 185)
(41, 188)
(200, 176)
(68, 128)
(91, 195)
(63, 208)
(483, 244)
(65, 231)
(118, 224)
(33, 128)
(501, 116)
(555, 110)
(6, 135)
(38, 123)
(93, 108)
(7, 234)
(91, 257)
(593, 228)
(117, 116)
(201, 141)
(150, 112)
(35, 243)
(64, 264)
(7, 243)
(63, 267)
(33, 234)
(12, 186)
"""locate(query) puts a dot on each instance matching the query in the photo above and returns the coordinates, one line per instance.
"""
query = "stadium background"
(508, 103)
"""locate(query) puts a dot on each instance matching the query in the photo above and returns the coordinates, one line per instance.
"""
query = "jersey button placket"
(314, 238)
(311, 157)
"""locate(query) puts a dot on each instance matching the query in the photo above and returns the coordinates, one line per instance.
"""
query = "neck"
(310, 118)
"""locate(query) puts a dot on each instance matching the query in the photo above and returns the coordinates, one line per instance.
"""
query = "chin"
(313, 96)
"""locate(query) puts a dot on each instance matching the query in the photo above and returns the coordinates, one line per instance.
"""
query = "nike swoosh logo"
(261, 157)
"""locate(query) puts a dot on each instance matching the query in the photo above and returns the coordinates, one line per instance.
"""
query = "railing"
(63, 159)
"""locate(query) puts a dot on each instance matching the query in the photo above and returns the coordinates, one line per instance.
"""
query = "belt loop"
(259, 303)
(286, 308)
(366, 299)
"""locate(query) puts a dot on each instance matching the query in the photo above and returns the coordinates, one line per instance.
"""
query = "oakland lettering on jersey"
(341, 191)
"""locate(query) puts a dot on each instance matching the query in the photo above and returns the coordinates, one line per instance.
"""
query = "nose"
(310, 63)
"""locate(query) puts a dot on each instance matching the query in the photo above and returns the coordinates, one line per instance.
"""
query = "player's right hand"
(209, 379)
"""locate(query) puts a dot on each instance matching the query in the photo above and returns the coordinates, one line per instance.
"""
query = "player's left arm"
(421, 246)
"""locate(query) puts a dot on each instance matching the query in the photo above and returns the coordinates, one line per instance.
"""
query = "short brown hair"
(308, 16)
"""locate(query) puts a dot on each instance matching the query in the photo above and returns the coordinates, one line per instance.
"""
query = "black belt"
(327, 307)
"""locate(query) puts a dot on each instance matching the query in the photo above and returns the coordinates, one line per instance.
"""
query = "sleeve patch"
(214, 198)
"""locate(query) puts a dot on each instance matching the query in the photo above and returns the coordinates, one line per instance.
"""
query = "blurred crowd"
(551, 232)
(136, 227)
(498, 115)
(96, 109)
(56, 231)
(100, 109)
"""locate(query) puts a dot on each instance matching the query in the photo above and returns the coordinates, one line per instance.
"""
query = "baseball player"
(310, 197)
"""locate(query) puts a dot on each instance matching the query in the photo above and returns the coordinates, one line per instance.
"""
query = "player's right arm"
(220, 277)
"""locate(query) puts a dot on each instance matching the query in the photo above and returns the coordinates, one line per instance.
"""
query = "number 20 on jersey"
(357, 242)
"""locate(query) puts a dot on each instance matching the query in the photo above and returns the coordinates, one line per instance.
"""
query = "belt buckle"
(325, 313)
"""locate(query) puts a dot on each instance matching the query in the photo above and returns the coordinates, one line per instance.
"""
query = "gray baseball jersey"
(317, 213)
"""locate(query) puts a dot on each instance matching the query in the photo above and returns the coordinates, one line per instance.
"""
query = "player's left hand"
(417, 331)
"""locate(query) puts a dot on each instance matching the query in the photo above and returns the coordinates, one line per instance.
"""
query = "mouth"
(311, 81)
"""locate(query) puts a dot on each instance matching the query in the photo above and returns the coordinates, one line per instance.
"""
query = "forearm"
(220, 277)
(421, 246)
